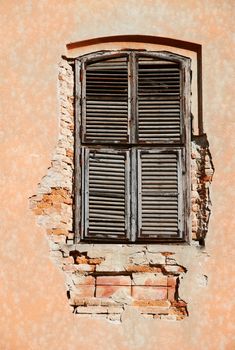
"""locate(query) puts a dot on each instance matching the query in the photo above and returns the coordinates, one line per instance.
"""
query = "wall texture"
(105, 280)
(34, 310)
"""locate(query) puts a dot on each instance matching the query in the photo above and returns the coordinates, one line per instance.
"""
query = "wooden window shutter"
(160, 194)
(132, 146)
(105, 100)
(105, 191)
(159, 101)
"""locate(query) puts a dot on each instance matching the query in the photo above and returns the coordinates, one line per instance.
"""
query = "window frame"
(185, 70)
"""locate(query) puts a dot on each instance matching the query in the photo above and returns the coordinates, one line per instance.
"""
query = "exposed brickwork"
(53, 202)
(103, 281)
(202, 171)
(151, 293)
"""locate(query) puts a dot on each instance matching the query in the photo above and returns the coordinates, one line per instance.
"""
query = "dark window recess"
(132, 147)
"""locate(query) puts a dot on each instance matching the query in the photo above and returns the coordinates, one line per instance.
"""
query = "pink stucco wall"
(34, 313)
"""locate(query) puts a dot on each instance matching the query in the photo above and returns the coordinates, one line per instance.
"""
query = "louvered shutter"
(159, 101)
(160, 194)
(132, 124)
(105, 188)
(105, 101)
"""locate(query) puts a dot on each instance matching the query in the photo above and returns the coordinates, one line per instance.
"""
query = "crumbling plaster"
(103, 281)
(34, 313)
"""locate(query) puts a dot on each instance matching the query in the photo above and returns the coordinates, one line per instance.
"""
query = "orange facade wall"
(34, 313)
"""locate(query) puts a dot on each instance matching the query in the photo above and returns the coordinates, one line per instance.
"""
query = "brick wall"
(202, 171)
(104, 280)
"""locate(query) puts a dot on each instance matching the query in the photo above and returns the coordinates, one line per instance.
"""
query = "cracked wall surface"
(105, 281)
(35, 313)
(202, 171)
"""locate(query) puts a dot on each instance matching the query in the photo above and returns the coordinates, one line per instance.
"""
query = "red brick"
(91, 310)
(84, 281)
(80, 301)
(71, 126)
(162, 303)
(70, 268)
(149, 279)
(171, 281)
(85, 291)
(179, 312)
(108, 291)
(86, 260)
(81, 260)
(143, 268)
(57, 231)
(152, 293)
(207, 178)
(107, 302)
(179, 303)
(38, 211)
(153, 309)
(69, 153)
(171, 293)
(173, 269)
(115, 310)
(85, 268)
(95, 261)
(113, 280)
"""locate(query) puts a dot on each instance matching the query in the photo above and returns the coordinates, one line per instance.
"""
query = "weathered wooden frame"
(184, 144)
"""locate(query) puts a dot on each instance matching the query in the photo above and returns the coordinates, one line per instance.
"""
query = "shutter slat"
(158, 201)
(106, 193)
(159, 95)
(106, 101)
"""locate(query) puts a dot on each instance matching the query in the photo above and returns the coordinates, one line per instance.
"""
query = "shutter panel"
(105, 101)
(106, 194)
(159, 101)
(137, 103)
(159, 194)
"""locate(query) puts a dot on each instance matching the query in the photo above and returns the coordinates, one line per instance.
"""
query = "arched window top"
(161, 55)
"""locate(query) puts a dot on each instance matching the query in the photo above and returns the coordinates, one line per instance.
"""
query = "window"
(132, 146)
